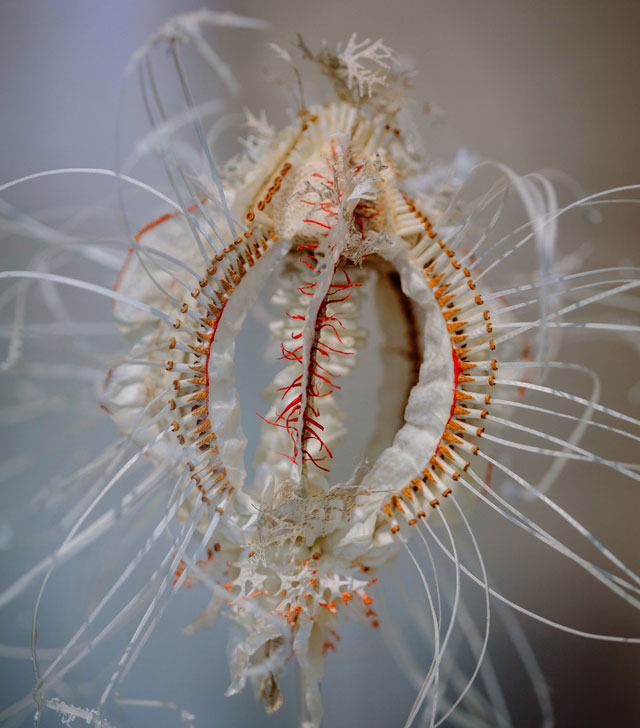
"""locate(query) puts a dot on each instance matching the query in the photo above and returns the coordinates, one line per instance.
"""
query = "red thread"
(457, 369)
(320, 380)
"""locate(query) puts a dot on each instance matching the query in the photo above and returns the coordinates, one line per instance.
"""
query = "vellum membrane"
(362, 536)
(317, 211)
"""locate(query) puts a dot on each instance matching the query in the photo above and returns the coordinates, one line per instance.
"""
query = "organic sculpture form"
(350, 229)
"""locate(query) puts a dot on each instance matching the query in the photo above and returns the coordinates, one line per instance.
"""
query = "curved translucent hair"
(417, 330)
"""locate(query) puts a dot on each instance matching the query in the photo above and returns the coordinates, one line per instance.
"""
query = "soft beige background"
(532, 83)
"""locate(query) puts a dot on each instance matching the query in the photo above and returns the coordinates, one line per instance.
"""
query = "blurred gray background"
(533, 84)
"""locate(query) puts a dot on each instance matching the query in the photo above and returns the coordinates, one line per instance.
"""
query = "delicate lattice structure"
(335, 232)
(323, 210)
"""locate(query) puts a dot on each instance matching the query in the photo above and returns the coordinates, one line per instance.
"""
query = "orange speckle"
(331, 606)
(326, 647)
(258, 591)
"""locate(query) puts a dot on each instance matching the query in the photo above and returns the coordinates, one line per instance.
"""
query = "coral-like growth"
(354, 237)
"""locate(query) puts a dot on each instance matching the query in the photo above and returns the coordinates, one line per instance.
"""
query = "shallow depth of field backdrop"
(529, 83)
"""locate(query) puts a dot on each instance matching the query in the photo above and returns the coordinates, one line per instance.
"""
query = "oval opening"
(372, 394)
